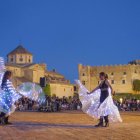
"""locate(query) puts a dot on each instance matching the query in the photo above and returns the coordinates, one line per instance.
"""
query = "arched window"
(124, 73)
(12, 59)
(21, 59)
(112, 73)
(83, 74)
(112, 82)
(123, 81)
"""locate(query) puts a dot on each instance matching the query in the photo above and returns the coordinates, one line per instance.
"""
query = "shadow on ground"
(35, 125)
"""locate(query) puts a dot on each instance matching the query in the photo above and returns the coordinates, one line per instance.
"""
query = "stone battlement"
(115, 65)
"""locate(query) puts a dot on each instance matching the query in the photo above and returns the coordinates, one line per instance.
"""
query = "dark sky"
(63, 33)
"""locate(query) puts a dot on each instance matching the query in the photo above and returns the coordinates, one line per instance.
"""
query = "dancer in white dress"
(99, 103)
(9, 95)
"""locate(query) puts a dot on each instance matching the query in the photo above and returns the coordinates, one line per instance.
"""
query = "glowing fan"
(32, 91)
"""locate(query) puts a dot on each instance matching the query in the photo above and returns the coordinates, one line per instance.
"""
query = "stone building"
(20, 62)
(20, 56)
(58, 84)
(120, 76)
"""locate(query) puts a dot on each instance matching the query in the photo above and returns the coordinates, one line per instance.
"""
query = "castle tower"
(20, 56)
(84, 75)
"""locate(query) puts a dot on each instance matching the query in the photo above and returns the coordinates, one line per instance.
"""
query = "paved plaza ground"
(70, 125)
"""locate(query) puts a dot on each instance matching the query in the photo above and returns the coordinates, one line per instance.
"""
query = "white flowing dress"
(9, 95)
(91, 104)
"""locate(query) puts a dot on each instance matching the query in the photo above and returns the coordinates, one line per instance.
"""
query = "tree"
(47, 90)
(136, 85)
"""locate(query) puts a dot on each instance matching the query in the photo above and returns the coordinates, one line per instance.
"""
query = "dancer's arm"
(93, 90)
(107, 82)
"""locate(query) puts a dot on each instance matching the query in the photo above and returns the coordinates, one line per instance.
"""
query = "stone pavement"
(68, 126)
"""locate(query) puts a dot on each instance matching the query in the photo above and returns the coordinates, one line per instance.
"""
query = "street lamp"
(121, 100)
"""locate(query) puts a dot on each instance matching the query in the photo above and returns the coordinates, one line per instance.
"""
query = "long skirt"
(92, 106)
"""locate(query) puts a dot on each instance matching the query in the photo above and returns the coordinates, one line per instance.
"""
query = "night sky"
(64, 33)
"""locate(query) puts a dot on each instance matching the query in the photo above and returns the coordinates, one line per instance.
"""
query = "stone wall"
(120, 76)
(61, 90)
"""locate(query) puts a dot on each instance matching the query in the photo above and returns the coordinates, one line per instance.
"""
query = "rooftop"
(53, 72)
(19, 50)
(20, 65)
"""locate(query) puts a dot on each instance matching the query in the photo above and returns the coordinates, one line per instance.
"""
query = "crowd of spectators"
(54, 104)
(128, 104)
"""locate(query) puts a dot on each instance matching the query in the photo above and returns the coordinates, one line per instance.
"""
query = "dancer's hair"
(6, 76)
(102, 74)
